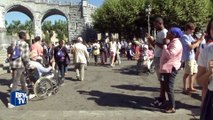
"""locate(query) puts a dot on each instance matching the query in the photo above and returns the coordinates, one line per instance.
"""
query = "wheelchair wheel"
(43, 88)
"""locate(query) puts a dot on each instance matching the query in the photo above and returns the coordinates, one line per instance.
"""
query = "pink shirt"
(171, 56)
(37, 47)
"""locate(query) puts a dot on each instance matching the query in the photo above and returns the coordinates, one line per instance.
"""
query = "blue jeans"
(169, 80)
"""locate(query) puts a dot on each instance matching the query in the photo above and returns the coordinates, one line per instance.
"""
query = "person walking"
(118, 48)
(81, 58)
(19, 61)
(113, 49)
(103, 51)
(96, 51)
(37, 46)
(62, 59)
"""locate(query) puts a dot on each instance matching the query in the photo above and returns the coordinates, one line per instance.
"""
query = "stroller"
(145, 61)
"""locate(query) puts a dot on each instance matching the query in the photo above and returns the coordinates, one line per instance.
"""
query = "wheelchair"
(44, 86)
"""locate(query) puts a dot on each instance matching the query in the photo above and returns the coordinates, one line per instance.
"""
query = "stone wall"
(78, 15)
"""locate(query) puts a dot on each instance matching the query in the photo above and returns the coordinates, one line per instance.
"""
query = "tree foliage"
(179, 12)
(60, 27)
(47, 29)
(129, 17)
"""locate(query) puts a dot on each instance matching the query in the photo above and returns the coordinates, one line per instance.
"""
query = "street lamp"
(148, 11)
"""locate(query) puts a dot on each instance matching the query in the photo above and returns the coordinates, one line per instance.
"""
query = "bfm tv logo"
(18, 98)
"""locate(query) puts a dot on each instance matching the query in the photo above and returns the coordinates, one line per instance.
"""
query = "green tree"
(47, 29)
(119, 16)
(179, 12)
(15, 27)
(128, 17)
(28, 26)
(61, 29)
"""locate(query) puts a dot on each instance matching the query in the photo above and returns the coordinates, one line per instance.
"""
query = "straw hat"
(33, 54)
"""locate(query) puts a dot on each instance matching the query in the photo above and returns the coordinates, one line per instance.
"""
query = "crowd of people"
(174, 48)
(170, 50)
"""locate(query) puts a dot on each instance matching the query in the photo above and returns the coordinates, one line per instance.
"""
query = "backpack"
(16, 53)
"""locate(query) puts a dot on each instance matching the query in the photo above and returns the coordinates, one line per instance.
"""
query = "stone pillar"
(84, 8)
(2, 17)
(69, 28)
(37, 24)
(3, 41)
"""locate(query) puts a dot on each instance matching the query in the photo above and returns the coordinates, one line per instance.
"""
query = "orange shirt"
(37, 47)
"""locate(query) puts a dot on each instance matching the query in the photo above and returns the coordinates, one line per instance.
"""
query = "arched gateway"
(78, 15)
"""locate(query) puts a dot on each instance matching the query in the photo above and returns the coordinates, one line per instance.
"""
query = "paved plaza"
(107, 93)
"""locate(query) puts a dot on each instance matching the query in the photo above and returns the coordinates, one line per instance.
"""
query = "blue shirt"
(188, 54)
(39, 67)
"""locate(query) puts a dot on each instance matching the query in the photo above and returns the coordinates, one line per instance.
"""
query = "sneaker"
(31, 96)
(10, 105)
(170, 110)
(158, 102)
(112, 65)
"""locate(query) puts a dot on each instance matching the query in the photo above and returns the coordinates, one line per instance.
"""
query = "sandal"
(192, 90)
(186, 92)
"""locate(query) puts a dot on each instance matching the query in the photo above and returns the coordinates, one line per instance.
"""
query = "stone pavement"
(95, 115)
(107, 93)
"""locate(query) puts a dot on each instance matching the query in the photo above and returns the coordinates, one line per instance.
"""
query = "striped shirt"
(23, 60)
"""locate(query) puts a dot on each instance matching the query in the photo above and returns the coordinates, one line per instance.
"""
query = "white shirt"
(80, 53)
(113, 46)
(159, 39)
(205, 56)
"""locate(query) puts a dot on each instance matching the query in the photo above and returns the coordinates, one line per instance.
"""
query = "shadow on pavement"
(137, 87)
(120, 100)
(129, 70)
(196, 96)
(5, 82)
(71, 79)
(3, 97)
(128, 101)
(141, 88)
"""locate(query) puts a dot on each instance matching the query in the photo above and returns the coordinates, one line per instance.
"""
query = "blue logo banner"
(18, 98)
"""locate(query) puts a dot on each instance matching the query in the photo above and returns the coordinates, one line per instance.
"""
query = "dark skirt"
(207, 110)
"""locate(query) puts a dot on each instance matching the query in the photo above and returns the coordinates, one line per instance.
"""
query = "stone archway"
(52, 12)
(22, 9)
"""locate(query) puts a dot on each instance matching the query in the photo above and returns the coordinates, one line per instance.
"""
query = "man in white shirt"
(81, 57)
(161, 35)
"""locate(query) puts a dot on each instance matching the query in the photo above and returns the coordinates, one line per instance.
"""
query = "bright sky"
(22, 17)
